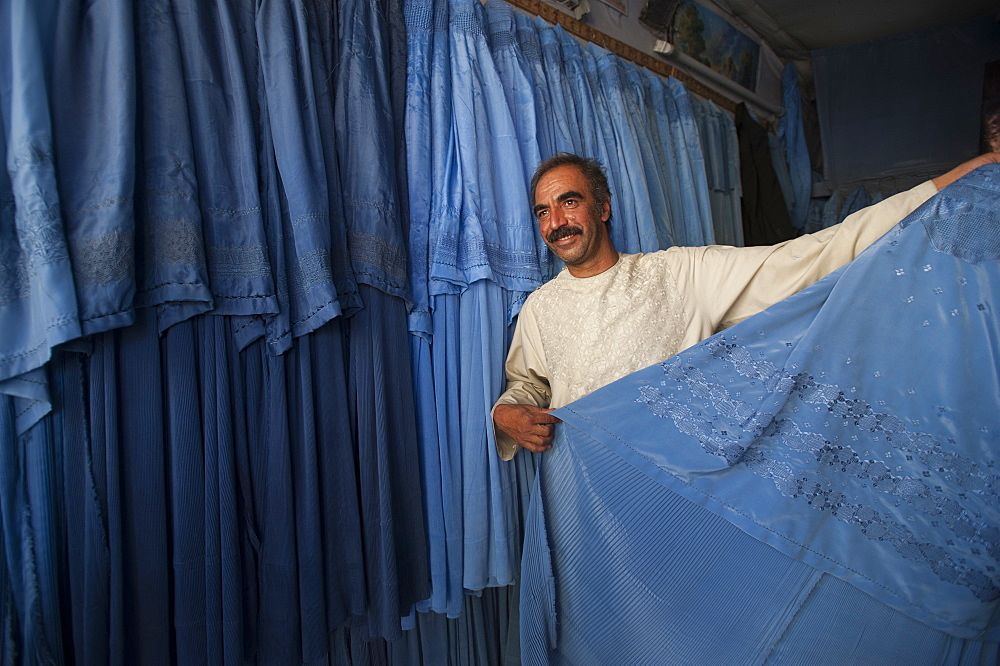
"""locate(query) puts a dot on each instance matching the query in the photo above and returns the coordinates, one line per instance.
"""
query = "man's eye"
(570, 202)
(542, 213)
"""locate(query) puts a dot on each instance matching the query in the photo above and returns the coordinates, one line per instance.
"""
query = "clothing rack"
(621, 49)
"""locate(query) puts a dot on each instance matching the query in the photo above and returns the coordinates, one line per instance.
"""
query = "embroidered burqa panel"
(817, 484)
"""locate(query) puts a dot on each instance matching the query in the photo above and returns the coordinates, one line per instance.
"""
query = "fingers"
(946, 179)
(538, 436)
(531, 427)
(537, 448)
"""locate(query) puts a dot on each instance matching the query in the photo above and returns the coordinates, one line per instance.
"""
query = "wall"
(896, 110)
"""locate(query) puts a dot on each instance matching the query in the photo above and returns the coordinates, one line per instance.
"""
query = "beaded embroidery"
(742, 435)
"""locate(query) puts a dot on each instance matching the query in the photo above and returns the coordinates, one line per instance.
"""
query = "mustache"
(563, 232)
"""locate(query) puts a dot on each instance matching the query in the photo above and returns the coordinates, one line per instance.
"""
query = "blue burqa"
(817, 484)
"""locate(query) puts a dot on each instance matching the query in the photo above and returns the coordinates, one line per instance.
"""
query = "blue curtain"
(260, 263)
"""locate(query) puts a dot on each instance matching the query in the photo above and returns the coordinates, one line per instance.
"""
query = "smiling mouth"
(563, 232)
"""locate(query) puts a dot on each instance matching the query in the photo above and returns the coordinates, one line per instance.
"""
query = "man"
(608, 314)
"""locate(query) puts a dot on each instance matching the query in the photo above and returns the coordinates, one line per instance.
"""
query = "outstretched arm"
(946, 179)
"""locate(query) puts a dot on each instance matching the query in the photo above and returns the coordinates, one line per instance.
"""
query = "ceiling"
(791, 26)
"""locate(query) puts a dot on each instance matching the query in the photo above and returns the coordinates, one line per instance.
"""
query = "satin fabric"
(221, 197)
(797, 483)
(717, 131)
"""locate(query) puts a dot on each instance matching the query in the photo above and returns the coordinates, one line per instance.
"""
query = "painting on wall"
(711, 40)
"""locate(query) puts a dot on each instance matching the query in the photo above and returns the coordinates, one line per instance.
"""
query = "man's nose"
(556, 219)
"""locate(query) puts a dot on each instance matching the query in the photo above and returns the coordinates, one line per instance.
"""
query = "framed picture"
(713, 41)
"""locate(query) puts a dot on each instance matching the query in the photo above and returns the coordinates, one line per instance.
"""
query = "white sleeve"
(728, 284)
(527, 376)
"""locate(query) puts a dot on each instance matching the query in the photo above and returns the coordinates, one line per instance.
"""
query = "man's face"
(570, 221)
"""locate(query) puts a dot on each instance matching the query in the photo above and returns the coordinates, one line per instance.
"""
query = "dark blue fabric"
(199, 494)
(38, 301)
(795, 478)
(384, 430)
(264, 239)
(793, 139)
(365, 139)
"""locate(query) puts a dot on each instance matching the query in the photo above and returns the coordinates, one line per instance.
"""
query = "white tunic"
(575, 335)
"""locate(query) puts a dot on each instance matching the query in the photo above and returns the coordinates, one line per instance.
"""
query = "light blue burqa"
(817, 484)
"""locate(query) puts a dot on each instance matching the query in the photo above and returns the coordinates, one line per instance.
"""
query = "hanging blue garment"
(592, 118)
(303, 561)
(720, 147)
(795, 484)
(171, 264)
(492, 528)
(30, 579)
(297, 55)
(566, 133)
(515, 81)
(420, 138)
(442, 455)
(93, 97)
(85, 578)
(587, 99)
(474, 541)
(482, 635)
(855, 201)
(644, 127)
(328, 534)
(689, 166)
(496, 234)
(39, 306)
(793, 139)
(201, 429)
(219, 80)
(529, 46)
(384, 429)
(122, 583)
(428, 139)
(663, 146)
(380, 389)
(366, 143)
(483, 252)
(330, 472)
(518, 91)
(634, 208)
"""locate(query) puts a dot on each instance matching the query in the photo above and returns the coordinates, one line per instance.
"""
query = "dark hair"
(591, 169)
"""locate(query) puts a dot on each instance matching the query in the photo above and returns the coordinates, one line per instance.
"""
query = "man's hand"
(529, 426)
(947, 179)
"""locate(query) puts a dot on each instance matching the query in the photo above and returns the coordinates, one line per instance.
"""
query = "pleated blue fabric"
(260, 264)
(229, 473)
(795, 484)
(384, 427)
